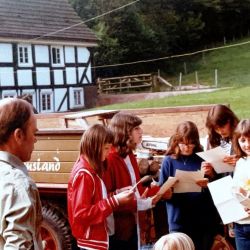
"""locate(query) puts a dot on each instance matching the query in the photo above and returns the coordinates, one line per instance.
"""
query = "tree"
(153, 29)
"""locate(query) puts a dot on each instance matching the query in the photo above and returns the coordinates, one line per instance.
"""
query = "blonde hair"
(174, 241)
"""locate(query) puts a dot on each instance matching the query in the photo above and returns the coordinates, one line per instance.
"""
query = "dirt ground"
(157, 122)
(163, 124)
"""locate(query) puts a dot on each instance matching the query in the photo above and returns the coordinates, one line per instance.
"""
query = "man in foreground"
(20, 206)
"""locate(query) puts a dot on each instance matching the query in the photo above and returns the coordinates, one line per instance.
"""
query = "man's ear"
(18, 135)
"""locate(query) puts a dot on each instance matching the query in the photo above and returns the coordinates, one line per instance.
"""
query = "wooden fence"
(125, 83)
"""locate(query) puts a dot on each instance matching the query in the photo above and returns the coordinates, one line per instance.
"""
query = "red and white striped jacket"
(87, 209)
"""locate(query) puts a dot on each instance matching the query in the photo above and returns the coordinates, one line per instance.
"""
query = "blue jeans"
(242, 236)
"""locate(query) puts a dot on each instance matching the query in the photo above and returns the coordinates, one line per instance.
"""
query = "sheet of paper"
(215, 156)
(167, 185)
(187, 181)
(228, 206)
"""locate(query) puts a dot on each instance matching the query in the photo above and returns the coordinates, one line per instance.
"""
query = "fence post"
(216, 78)
(180, 80)
(185, 68)
(197, 79)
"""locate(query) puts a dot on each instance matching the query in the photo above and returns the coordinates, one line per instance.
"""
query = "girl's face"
(186, 148)
(223, 131)
(105, 150)
(136, 135)
(244, 143)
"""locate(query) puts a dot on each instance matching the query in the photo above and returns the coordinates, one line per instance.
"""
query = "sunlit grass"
(238, 98)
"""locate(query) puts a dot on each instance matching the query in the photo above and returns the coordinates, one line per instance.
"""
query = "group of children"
(107, 201)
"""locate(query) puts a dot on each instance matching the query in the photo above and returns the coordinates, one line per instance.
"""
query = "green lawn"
(232, 65)
(237, 97)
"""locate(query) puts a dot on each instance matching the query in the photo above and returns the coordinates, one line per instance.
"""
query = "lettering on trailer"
(38, 166)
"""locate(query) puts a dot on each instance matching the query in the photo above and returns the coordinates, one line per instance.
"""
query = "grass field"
(231, 63)
(237, 97)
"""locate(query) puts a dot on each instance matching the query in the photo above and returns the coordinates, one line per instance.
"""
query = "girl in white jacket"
(241, 143)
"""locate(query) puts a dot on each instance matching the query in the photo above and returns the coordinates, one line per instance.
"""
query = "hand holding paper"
(202, 182)
(167, 185)
(242, 196)
(216, 156)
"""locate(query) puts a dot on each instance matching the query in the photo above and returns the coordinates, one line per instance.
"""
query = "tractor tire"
(55, 231)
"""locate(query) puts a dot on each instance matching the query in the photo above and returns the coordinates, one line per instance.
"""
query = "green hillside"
(232, 64)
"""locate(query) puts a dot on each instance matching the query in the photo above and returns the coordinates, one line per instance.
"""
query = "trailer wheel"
(55, 231)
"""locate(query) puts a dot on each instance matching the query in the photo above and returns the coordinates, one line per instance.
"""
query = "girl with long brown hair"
(192, 213)
(123, 171)
(89, 207)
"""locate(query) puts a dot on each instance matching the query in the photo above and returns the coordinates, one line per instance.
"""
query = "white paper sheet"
(167, 185)
(228, 206)
(215, 156)
(187, 181)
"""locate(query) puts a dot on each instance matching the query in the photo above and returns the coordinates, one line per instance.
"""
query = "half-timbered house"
(45, 51)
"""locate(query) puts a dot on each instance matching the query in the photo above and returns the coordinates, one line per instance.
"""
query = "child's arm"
(208, 169)
(86, 211)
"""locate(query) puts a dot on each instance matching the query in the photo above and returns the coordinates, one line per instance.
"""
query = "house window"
(57, 56)
(77, 97)
(24, 55)
(9, 94)
(46, 99)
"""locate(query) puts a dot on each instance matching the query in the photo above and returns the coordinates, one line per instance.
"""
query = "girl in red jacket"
(122, 171)
(89, 208)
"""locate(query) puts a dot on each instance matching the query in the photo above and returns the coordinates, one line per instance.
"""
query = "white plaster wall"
(83, 54)
(88, 73)
(80, 72)
(7, 76)
(58, 76)
(69, 54)
(6, 54)
(43, 76)
(24, 77)
(71, 75)
(59, 95)
(41, 54)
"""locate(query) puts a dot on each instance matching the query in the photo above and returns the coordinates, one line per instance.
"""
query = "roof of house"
(41, 19)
